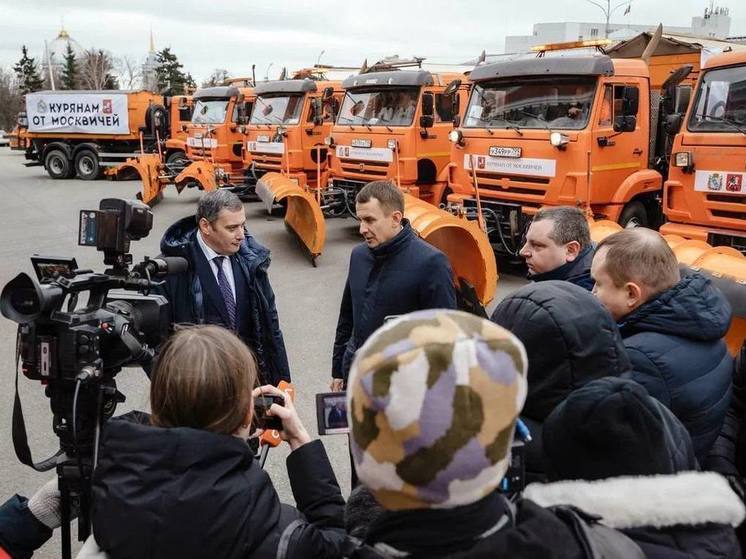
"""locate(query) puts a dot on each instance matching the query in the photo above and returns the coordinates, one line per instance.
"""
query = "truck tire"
(58, 165)
(86, 165)
(177, 158)
(634, 215)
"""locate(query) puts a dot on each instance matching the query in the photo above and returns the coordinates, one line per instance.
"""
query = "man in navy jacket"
(227, 282)
(394, 272)
(672, 327)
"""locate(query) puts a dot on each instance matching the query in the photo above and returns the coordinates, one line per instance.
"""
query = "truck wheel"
(177, 158)
(634, 215)
(86, 165)
(58, 165)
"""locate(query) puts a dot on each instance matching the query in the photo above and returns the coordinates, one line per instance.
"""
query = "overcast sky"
(234, 34)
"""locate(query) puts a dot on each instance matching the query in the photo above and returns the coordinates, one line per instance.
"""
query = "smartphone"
(331, 413)
(261, 407)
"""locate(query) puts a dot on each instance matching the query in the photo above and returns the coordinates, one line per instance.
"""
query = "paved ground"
(39, 215)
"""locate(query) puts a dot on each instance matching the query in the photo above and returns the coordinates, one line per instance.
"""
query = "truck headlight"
(456, 136)
(558, 139)
(391, 144)
(329, 141)
(682, 159)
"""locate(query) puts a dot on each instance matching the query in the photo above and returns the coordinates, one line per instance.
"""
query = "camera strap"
(20, 439)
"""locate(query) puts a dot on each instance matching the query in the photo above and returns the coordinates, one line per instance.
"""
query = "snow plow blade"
(725, 266)
(462, 241)
(201, 172)
(303, 215)
(149, 168)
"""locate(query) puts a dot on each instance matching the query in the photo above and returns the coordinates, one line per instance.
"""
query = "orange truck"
(559, 130)
(18, 139)
(703, 198)
(83, 132)
(179, 115)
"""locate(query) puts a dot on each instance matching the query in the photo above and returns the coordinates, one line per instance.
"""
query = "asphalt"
(39, 215)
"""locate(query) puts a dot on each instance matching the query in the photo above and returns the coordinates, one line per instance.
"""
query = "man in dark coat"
(672, 327)
(227, 282)
(613, 451)
(394, 272)
(570, 340)
(558, 247)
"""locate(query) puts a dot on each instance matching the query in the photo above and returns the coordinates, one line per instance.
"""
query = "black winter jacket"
(675, 344)
(570, 340)
(185, 492)
(403, 275)
(578, 271)
(194, 293)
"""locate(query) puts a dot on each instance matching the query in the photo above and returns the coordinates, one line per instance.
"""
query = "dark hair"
(640, 255)
(203, 379)
(387, 194)
(212, 203)
(570, 224)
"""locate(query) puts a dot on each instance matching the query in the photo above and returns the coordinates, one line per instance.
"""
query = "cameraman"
(183, 482)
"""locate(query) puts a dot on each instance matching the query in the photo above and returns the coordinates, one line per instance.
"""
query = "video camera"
(76, 352)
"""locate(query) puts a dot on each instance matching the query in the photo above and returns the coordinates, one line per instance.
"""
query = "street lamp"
(607, 9)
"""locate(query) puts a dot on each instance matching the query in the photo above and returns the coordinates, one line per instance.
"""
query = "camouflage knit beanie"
(432, 400)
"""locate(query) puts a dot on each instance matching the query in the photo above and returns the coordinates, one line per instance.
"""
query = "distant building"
(149, 76)
(714, 24)
(52, 59)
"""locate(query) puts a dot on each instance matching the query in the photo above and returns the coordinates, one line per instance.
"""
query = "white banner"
(202, 142)
(512, 166)
(266, 147)
(724, 182)
(78, 113)
(366, 154)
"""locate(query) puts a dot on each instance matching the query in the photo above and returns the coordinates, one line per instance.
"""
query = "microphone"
(162, 266)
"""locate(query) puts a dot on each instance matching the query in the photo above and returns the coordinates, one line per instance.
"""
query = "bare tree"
(96, 69)
(129, 72)
(218, 77)
(11, 99)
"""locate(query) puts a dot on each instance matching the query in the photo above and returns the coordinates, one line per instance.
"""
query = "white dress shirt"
(227, 268)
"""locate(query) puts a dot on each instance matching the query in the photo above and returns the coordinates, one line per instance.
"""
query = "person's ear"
(635, 295)
(572, 249)
(204, 226)
(397, 216)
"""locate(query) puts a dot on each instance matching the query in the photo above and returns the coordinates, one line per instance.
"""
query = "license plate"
(360, 143)
(496, 151)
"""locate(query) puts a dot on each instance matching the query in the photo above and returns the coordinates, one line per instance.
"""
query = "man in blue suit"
(227, 282)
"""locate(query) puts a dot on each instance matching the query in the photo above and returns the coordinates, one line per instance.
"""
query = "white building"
(149, 77)
(53, 57)
(714, 24)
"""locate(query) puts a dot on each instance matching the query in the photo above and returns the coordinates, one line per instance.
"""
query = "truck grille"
(728, 207)
(529, 191)
(268, 161)
(370, 170)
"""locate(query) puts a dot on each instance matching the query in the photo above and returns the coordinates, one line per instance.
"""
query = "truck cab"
(704, 195)
(288, 126)
(394, 125)
(549, 131)
(179, 116)
(214, 133)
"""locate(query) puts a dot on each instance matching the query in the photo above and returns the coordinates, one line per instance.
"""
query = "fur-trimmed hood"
(687, 498)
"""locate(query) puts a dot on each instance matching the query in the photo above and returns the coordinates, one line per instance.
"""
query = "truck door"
(617, 155)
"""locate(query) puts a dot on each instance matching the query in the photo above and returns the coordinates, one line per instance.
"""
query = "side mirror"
(625, 123)
(456, 120)
(452, 87)
(683, 96)
(426, 121)
(428, 104)
(328, 92)
(630, 101)
(672, 123)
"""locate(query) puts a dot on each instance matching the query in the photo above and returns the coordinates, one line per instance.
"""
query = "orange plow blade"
(725, 266)
(201, 172)
(303, 215)
(149, 168)
(462, 241)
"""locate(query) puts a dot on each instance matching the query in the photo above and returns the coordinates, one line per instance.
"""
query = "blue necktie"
(225, 291)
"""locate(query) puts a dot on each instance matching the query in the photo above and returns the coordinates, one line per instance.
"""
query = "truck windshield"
(379, 107)
(281, 109)
(211, 111)
(557, 103)
(720, 104)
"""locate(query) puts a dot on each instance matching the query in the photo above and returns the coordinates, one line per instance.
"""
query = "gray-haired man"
(227, 282)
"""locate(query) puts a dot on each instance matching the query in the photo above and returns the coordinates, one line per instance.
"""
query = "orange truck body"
(286, 134)
(216, 131)
(179, 116)
(704, 195)
(18, 138)
(517, 168)
(367, 147)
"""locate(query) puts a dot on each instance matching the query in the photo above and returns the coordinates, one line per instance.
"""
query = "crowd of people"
(612, 359)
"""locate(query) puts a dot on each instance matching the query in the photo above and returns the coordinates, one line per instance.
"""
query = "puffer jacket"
(570, 340)
(675, 344)
(578, 271)
(260, 326)
(181, 492)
